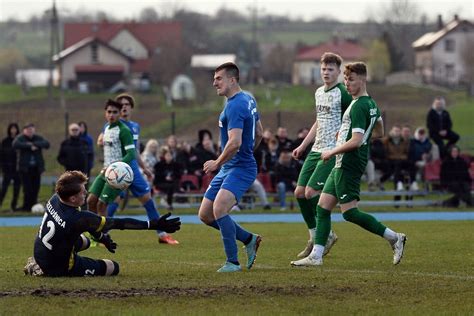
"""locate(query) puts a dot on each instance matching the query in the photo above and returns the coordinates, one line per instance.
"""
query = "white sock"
(312, 234)
(317, 251)
(162, 234)
(390, 235)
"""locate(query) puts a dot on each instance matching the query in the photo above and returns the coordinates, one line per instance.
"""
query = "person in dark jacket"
(167, 175)
(440, 126)
(90, 145)
(31, 163)
(286, 175)
(73, 153)
(456, 178)
(9, 163)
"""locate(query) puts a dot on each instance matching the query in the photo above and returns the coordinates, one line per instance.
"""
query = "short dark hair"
(358, 68)
(331, 58)
(126, 96)
(70, 183)
(231, 70)
(113, 103)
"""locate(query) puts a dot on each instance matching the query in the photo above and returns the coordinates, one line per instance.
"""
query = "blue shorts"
(236, 180)
(139, 186)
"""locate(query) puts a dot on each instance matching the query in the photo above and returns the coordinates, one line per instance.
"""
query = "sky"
(342, 10)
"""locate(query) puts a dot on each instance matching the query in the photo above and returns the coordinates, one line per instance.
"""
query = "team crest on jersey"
(220, 123)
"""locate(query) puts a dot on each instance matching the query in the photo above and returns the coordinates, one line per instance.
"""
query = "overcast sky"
(343, 10)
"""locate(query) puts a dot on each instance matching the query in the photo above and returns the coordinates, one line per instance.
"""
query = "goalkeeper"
(60, 235)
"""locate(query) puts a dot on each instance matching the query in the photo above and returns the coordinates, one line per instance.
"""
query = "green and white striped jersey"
(360, 117)
(117, 140)
(330, 105)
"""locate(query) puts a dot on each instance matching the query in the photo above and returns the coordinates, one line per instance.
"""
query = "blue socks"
(112, 208)
(240, 233)
(228, 232)
(151, 210)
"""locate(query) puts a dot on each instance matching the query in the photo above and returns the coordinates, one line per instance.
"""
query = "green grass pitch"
(436, 275)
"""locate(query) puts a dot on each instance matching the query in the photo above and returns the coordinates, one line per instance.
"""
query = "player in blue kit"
(241, 131)
(60, 235)
(139, 188)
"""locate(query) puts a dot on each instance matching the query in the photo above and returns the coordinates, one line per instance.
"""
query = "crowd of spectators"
(400, 157)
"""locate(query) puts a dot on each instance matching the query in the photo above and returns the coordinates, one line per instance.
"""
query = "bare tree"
(468, 59)
(148, 14)
(278, 64)
(399, 17)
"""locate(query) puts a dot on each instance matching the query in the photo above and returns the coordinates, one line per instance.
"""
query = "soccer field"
(436, 275)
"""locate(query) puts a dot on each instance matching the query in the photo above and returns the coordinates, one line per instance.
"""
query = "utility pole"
(53, 48)
(253, 56)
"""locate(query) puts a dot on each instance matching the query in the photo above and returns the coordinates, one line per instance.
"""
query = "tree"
(148, 14)
(398, 18)
(278, 64)
(378, 60)
(168, 61)
(468, 59)
(11, 59)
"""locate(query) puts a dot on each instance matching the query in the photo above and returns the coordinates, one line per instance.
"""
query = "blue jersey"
(135, 128)
(60, 229)
(240, 111)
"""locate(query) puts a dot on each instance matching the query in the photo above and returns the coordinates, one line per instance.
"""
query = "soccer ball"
(38, 208)
(119, 175)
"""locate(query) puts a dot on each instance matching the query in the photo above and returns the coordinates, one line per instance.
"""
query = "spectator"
(283, 141)
(150, 157)
(261, 152)
(396, 149)
(455, 177)
(90, 145)
(302, 133)
(167, 175)
(9, 162)
(73, 153)
(406, 133)
(172, 144)
(286, 175)
(419, 153)
(440, 126)
(377, 161)
(272, 156)
(189, 159)
(31, 163)
(206, 149)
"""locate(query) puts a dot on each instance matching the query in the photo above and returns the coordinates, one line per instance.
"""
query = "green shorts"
(315, 171)
(102, 190)
(344, 185)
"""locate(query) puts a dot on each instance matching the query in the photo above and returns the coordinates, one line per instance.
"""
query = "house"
(306, 67)
(102, 54)
(440, 55)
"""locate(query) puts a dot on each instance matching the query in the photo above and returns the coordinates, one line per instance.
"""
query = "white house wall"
(441, 57)
(129, 45)
(83, 56)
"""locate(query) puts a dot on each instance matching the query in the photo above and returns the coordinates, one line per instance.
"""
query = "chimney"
(440, 22)
(456, 17)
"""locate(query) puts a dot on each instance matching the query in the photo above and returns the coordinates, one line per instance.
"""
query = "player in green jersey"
(118, 146)
(331, 101)
(360, 121)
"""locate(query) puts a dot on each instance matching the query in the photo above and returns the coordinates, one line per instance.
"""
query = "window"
(94, 53)
(449, 45)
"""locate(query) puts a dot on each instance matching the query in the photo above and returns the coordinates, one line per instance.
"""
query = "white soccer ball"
(119, 175)
(38, 208)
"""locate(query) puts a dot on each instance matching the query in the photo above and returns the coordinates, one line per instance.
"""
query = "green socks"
(364, 220)
(324, 226)
(308, 210)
